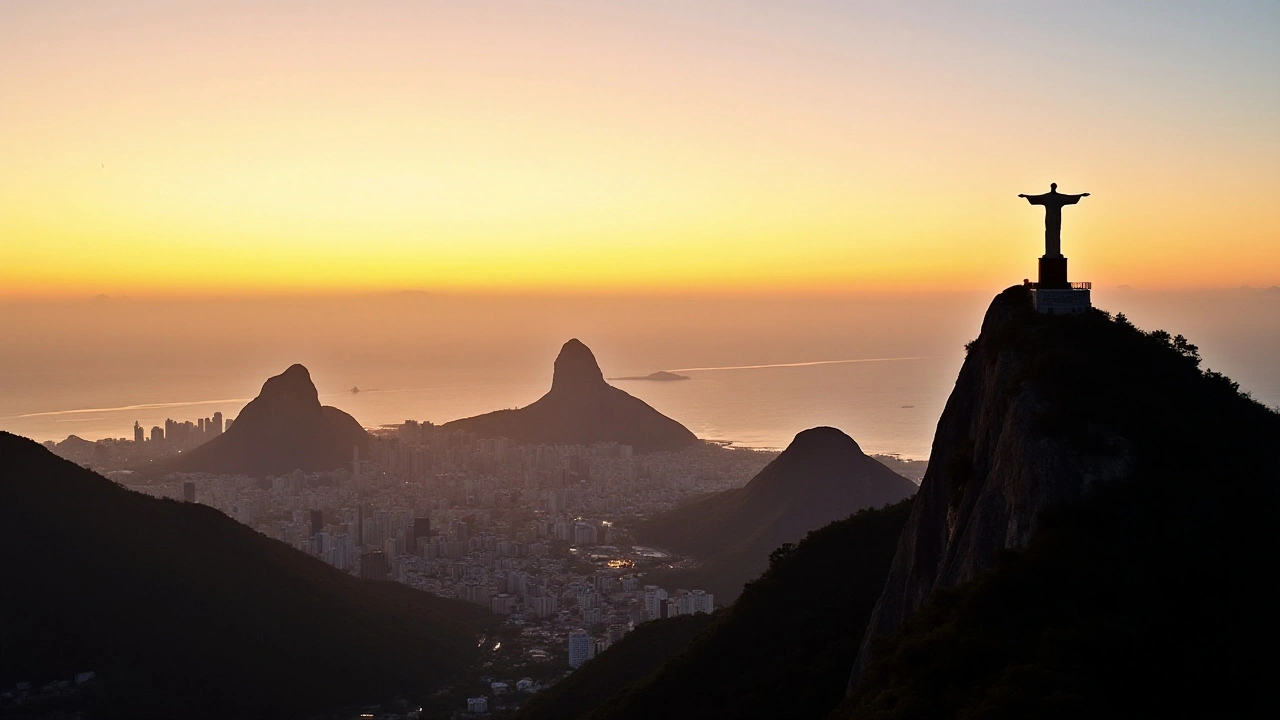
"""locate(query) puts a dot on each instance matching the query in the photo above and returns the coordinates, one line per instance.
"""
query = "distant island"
(660, 376)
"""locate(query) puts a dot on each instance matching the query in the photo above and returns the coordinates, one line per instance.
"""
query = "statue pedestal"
(1053, 273)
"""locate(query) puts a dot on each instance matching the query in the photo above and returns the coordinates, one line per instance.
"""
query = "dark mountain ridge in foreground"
(822, 476)
(1087, 536)
(581, 409)
(1091, 539)
(285, 428)
(183, 612)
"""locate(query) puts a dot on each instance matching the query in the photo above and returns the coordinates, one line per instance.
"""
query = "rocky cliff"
(990, 471)
(1099, 465)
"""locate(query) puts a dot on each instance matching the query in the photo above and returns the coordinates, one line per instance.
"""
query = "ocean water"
(879, 367)
(889, 406)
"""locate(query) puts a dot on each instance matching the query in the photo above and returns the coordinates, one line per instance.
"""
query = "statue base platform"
(1070, 300)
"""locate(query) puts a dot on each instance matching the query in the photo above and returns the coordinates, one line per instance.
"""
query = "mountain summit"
(576, 368)
(581, 409)
(283, 429)
(822, 476)
(1087, 538)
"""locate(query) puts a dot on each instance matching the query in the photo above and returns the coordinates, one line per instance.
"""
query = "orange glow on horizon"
(335, 148)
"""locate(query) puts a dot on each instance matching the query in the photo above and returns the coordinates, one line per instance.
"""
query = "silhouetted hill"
(284, 429)
(782, 651)
(581, 409)
(822, 476)
(1088, 538)
(183, 612)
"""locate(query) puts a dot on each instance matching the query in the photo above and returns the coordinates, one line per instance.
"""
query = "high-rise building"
(543, 605)
(584, 533)
(422, 527)
(579, 647)
(502, 604)
(339, 551)
(157, 434)
(189, 492)
(653, 597)
(138, 436)
(374, 566)
(317, 521)
(418, 532)
(216, 429)
(461, 531)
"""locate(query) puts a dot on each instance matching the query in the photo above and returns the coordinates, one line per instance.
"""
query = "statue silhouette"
(1053, 202)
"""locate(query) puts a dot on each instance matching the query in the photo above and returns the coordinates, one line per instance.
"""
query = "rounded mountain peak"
(576, 366)
(820, 439)
(294, 383)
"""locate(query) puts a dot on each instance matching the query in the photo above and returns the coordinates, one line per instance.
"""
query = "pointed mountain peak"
(284, 428)
(294, 384)
(298, 369)
(576, 366)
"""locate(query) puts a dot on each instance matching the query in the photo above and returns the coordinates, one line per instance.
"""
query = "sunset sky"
(155, 148)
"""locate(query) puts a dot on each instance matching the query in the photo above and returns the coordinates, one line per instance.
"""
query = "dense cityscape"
(536, 534)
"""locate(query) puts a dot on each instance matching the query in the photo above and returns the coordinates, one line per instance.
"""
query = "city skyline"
(581, 360)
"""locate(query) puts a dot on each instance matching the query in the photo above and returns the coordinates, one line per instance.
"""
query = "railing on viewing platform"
(1074, 285)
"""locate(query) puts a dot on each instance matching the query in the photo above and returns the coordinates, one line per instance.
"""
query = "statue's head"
(1053, 187)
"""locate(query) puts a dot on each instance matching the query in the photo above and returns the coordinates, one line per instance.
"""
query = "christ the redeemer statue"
(1053, 202)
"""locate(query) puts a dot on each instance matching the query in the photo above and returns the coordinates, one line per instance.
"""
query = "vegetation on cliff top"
(1146, 597)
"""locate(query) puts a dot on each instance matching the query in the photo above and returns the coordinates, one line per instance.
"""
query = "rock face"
(822, 476)
(285, 428)
(991, 470)
(580, 409)
(1087, 538)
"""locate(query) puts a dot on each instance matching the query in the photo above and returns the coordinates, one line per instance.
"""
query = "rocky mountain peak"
(576, 367)
(294, 384)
